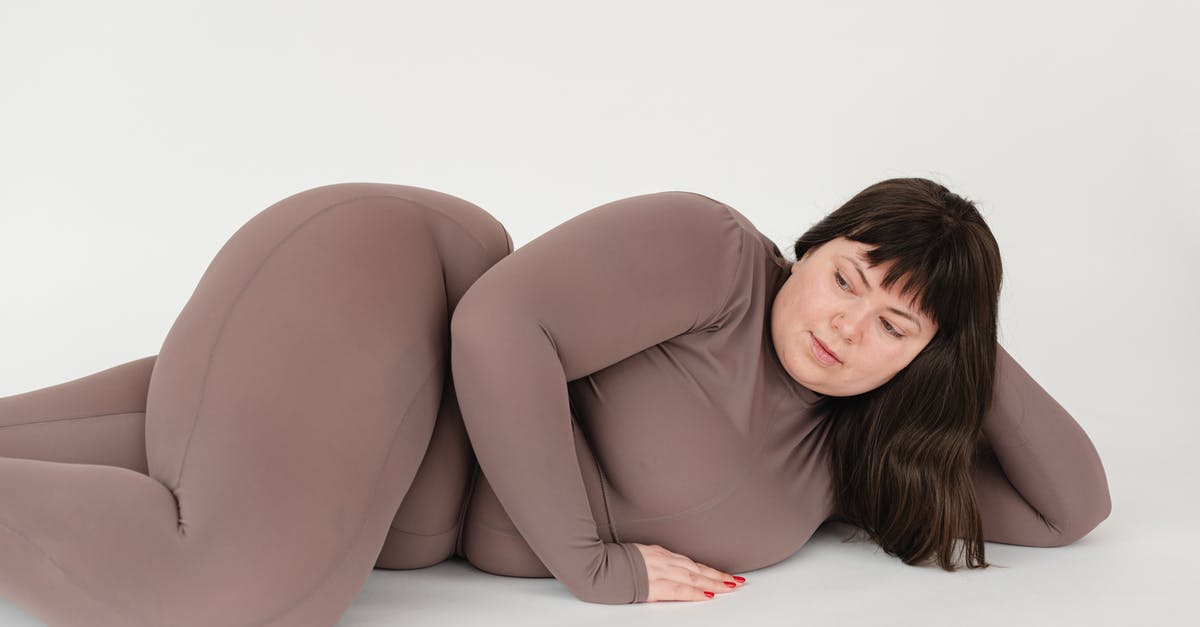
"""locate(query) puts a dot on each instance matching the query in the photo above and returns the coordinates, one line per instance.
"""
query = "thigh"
(350, 350)
(295, 396)
(286, 416)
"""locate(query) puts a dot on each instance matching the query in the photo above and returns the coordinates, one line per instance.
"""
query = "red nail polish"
(708, 594)
(739, 579)
(730, 584)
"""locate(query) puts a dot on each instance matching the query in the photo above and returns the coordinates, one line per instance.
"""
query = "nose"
(849, 324)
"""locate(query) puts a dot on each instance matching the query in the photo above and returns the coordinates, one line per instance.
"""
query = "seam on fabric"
(741, 260)
(49, 420)
(227, 314)
(466, 502)
(1056, 496)
(422, 535)
(456, 223)
(237, 299)
(124, 610)
(633, 571)
(612, 531)
(736, 272)
(362, 525)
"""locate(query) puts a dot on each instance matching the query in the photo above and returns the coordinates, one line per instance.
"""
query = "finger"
(687, 592)
(720, 575)
(713, 579)
(702, 581)
(717, 577)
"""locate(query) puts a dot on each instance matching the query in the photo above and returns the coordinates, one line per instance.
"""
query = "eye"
(840, 281)
(890, 328)
(846, 286)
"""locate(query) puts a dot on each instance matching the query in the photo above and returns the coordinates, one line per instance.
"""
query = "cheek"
(811, 298)
(897, 359)
(879, 360)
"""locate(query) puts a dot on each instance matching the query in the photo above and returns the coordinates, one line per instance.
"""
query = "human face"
(825, 298)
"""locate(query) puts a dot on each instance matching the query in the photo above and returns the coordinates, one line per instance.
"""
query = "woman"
(656, 399)
(727, 402)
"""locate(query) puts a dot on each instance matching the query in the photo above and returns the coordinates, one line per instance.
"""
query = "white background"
(136, 137)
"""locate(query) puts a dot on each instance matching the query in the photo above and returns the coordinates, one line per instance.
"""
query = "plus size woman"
(641, 402)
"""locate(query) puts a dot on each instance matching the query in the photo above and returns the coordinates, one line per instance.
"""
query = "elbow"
(1091, 506)
(1081, 525)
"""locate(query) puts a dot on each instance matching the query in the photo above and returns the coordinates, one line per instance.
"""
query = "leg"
(100, 419)
(425, 530)
(286, 417)
(95, 419)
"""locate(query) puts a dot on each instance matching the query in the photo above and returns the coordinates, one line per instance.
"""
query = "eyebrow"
(863, 276)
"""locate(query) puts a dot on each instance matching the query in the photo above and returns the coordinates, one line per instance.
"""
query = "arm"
(596, 289)
(1039, 480)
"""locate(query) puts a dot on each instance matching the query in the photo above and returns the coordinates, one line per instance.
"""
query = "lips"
(824, 347)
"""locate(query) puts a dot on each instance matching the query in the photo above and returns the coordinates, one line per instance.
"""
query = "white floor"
(1131, 570)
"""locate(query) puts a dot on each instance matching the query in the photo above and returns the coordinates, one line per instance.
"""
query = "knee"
(499, 553)
(408, 551)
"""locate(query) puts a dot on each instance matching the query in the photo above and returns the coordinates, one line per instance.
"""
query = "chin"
(821, 389)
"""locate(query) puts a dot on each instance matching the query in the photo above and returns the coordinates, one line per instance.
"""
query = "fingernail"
(708, 594)
(739, 579)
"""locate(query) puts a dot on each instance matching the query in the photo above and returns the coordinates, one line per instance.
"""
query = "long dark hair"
(901, 454)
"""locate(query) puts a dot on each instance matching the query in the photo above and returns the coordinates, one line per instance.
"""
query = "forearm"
(513, 395)
(1046, 457)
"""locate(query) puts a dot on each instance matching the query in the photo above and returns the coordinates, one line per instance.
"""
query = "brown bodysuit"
(301, 423)
(619, 384)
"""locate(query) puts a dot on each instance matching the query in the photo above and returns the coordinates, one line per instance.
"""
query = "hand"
(674, 577)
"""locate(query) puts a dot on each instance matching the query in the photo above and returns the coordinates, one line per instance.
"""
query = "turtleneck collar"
(779, 270)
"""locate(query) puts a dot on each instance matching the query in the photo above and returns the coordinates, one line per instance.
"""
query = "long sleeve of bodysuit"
(1039, 481)
(596, 289)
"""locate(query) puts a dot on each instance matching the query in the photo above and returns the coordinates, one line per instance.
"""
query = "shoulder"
(746, 227)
